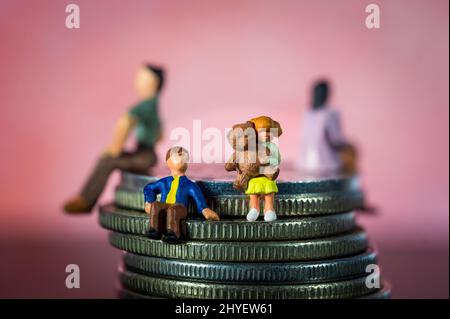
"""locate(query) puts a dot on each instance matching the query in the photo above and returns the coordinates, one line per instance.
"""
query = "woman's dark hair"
(320, 94)
(159, 73)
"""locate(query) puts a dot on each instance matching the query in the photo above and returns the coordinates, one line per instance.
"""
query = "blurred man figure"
(144, 118)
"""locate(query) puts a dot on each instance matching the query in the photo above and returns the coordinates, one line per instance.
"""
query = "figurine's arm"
(333, 132)
(151, 190)
(275, 156)
(231, 164)
(196, 193)
(123, 128)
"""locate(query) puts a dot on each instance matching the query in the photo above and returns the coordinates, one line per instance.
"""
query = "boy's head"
(177, 159)
(149, 80)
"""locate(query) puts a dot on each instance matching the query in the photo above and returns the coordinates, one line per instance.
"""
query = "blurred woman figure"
(323, 149)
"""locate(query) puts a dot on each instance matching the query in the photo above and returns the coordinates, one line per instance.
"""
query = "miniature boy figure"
(144, 118)
(175, 192)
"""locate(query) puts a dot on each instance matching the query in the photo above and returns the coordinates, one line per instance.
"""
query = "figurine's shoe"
(171, 238)
(77, 205)
(270, 216)
(153, 234)
(252, 215)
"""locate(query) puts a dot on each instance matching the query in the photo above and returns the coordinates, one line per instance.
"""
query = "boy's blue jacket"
(186, 188)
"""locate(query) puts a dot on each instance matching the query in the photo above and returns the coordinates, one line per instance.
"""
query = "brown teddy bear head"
(243, 136)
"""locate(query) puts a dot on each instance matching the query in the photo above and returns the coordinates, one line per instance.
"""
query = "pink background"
(62, 90)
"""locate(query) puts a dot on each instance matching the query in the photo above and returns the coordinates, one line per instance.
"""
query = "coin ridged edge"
(285, 205)
(298, 272)
(186, 289)
(383, 293)
(134, 222)
(214, 187)
(336, 246)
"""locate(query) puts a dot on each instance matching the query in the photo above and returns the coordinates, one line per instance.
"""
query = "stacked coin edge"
(314, 250)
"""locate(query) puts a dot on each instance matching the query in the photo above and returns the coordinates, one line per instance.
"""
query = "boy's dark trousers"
(167, 217)
(139, 162)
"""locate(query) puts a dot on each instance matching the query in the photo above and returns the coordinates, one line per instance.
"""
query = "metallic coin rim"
(294, 272)
(237, 205)
(311, 249)
(171, 288)
(383, 293)
(219, 188)
(135, 222)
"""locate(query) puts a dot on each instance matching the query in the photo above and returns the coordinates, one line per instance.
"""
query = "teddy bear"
(248, 158)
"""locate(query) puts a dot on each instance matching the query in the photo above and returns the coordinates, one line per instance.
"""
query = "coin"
(383, 293)
(213, 187)
(311, 249)
(294, 272)
(238, 205)
(134, 222)
(171, 288)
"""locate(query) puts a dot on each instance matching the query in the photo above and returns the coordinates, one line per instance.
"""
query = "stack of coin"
(313, 250)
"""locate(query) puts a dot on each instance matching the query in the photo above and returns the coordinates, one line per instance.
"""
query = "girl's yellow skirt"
(261, 185)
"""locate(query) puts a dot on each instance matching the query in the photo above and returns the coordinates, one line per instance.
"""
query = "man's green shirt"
(148, 125)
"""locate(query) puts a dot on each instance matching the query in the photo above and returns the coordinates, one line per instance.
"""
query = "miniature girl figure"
(263, 187)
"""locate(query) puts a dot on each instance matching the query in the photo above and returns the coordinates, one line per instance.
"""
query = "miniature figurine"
(324, 150)
(144, 118)
(256, 160)
(244, 159)
(175, 191)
